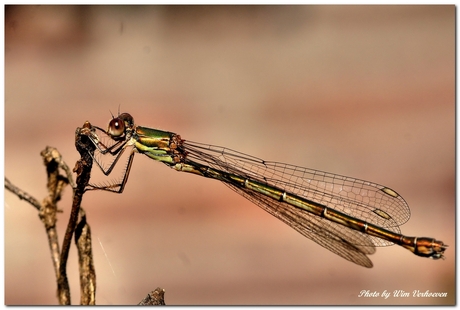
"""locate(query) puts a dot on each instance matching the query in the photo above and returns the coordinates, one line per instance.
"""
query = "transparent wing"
(330, 237)
(360, 199)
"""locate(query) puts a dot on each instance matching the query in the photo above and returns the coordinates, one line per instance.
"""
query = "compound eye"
(116, 128)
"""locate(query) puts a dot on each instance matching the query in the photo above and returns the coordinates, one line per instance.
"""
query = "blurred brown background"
(364, 91)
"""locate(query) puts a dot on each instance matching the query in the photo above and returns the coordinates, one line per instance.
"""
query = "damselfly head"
(119, 125)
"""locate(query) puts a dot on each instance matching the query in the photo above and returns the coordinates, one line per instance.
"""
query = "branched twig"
(48, 208)
(77, 222)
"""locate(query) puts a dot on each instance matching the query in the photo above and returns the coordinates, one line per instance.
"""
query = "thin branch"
(83, 170)
(56, 184)
(22, 194)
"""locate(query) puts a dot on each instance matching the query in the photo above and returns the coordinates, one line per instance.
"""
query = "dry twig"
(83, 169)
(154, 298)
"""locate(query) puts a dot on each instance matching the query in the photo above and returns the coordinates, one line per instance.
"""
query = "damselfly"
(347, 216)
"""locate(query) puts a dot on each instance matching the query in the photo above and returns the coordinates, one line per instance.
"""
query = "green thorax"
(154, 143)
